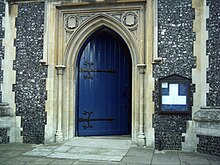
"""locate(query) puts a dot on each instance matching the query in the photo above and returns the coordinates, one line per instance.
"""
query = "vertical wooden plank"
(103, 94)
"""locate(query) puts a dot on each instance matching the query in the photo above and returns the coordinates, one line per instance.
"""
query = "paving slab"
(3, 159)
(63, 148)
(37, 153)
(63, 162)
(140, 151)
(97, 163)
(41, 149)
(10, 153)
(11, 162)
(17, 154)
(213, 160)
(41, 161)
(24, 159)
(85, 157)
(47, 147)
(138, 155)
(16, 146)
(189, 158)
(165, 158)
(98, 151)
(85, 148)
(99, 143)
(136, 160)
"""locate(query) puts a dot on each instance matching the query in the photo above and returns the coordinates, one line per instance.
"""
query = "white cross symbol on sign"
(174, 98)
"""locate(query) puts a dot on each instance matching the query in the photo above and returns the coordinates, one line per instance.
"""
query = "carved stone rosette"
(71, 22)
(130, 20)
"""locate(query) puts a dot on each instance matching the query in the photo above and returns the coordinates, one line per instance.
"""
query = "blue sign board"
(174, 94)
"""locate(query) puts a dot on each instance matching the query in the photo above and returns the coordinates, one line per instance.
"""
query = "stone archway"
(70, 60)
(72, 26)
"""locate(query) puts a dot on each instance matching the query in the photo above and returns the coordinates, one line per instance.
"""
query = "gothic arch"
(70, 57)
(89, 27)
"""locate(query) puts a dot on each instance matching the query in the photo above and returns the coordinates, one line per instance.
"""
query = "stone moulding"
(128, 19)
(76, 15)
(207, 114)
(76, 22)
(71, 22)
(207, 121)
(207, 130)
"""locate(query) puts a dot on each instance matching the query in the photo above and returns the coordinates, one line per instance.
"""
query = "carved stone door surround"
(72, 25)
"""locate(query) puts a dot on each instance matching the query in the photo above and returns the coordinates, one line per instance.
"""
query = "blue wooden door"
(104, 86)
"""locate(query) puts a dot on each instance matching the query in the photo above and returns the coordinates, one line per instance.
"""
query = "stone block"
(207, 121)
(5, 110)
(207, 114)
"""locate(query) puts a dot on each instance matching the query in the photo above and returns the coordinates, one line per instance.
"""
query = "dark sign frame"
(180, 80)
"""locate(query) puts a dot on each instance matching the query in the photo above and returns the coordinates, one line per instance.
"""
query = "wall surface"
(213, 52)
(175, 46)
(3, 135)
(209, 139)
(207, 128)
(2, 36)
(208, 145)
(30, 87)
(3, 131)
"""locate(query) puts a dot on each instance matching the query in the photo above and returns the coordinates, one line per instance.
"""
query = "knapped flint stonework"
(4, 138)
(213, 52)
(5, 112)
(206, 118)
(30, 87)
(209, 145)
(175, 46)
(2, 36)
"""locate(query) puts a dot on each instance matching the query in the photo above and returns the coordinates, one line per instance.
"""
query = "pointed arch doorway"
(104, 81)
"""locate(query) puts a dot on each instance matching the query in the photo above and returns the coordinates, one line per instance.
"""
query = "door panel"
(104, 86)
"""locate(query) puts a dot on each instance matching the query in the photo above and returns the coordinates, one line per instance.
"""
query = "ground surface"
(98, 151)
